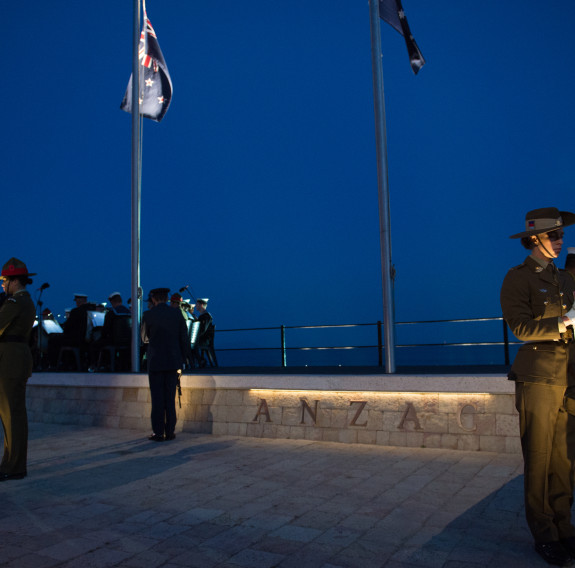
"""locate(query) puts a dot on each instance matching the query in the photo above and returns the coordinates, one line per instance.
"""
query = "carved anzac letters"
(465, 415)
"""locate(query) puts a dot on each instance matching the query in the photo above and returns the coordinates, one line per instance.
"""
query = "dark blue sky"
(259, 187)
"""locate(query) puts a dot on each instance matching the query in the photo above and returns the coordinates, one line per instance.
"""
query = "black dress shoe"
(569, 544)
(170, 437)
(156, 438)
(10, 476)
(554, 553)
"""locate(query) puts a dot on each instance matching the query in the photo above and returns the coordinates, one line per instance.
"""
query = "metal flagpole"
(383, 188)
(136, 192)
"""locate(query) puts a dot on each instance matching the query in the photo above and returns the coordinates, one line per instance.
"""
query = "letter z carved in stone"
(362, 404)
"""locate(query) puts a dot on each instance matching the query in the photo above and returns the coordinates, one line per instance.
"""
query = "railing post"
(283, 340)
(380, 344)
(506, 342)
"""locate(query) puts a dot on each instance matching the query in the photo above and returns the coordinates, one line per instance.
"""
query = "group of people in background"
(164, 330)
(92, 327)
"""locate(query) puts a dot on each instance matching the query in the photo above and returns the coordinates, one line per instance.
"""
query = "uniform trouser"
(163, 386)
(15, 424)
(547, 433)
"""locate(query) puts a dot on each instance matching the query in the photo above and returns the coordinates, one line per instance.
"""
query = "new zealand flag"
(155, 82)
(391, 11)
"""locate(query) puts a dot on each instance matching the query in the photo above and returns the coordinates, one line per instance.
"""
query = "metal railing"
(281, 346)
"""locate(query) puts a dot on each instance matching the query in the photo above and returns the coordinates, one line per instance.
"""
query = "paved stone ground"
(100, 497)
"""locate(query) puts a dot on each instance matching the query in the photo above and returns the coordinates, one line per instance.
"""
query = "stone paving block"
(430, 558)
(330, 434)
(366, 436)
(362, 554)
(250, 558)
(507, 425)
(100, 558)
(32, 561)
(347, 436)
(235, 539)
(492, 443)
(383, 438)
(148, 558)
(313, 555)
(220, 429)
(297, 533)
(200, 557)
(313, 433)
(414, 439)
(68, 549)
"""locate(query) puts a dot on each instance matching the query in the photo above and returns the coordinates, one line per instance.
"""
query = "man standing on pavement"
(537, 305)
(16, 320)
(164, 330)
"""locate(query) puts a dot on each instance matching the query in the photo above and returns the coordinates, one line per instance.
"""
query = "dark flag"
(391, 11)
(155, 81)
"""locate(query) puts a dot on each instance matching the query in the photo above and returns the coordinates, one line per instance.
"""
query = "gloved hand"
(571, 315)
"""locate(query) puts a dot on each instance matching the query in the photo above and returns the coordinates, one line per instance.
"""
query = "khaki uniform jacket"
(16, 320)
(532, 300)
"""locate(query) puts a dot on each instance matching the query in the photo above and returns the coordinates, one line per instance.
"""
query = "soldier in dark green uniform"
(16, 320)
(536, 302)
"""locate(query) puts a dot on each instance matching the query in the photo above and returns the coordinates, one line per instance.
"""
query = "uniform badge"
(538, 269)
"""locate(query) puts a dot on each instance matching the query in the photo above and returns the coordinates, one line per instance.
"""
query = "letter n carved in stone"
(306, 408)
(263, 410)
(410, 416)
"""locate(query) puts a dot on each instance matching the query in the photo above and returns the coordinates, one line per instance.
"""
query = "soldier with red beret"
(17, 316)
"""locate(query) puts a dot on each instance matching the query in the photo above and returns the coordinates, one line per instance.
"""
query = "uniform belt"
(567, 337)
(12, 339)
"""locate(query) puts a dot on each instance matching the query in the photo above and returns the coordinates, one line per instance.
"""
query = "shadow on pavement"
(492, 533)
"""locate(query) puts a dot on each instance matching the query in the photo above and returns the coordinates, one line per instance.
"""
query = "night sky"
(259, 187)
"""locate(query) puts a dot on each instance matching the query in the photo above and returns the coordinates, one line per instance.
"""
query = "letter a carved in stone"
(263, 410)
(410, 416)
(306, 408)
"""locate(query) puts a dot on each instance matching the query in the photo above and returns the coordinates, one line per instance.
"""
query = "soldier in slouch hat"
(537, 305)
(17, 316)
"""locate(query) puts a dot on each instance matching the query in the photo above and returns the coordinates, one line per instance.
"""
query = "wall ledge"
(485, 384)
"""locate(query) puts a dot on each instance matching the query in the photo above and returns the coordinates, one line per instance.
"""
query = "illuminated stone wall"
(466, 413)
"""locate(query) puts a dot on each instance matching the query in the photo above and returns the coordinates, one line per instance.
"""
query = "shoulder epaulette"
(522, 265)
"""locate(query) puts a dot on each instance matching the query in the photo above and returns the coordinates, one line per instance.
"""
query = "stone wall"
(467, 413)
